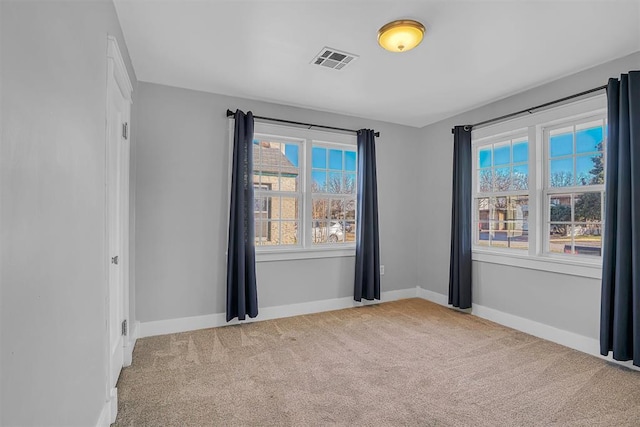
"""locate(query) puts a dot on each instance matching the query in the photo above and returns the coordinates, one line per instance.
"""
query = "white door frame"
(117, 79)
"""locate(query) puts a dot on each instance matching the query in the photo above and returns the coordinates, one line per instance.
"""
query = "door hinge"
(125, 130)
(124, 327)
(114, 260)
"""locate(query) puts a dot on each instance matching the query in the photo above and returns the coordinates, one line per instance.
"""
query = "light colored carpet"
(406, 362)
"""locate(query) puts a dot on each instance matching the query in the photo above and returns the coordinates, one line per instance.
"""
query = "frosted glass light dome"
(401, 36)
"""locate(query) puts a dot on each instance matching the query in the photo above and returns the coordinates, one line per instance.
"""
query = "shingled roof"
(272, 161)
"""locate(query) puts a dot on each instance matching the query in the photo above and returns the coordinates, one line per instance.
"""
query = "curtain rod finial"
(466, 128)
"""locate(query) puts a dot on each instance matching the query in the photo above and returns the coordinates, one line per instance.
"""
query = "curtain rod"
(231, 113)
(537, 107)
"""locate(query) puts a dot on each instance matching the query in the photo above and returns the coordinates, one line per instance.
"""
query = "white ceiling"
(474, 52)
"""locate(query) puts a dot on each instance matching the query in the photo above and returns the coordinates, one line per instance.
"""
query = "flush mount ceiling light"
(401, 36)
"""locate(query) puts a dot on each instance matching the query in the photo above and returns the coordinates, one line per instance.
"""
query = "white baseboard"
(131, 343)
(113, 406)
(109, 410)
(559, 336)
(105, 414)
(436, 297)
(540, 330)
(170, 326)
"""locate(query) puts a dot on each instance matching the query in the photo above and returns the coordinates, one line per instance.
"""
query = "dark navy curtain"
(367, 281)
(460, 261)
(242, 296)
(620, 311)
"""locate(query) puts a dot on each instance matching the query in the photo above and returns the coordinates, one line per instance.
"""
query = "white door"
(116, 121)
(117, 221)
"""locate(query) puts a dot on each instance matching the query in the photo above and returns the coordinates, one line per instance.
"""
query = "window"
(538, 186)
(333, 194)
(574, 190)
(502, 196)
(305, 185)
(277, 193)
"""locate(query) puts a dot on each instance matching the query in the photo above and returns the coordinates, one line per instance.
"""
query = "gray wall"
(181, 207)
(52, 275)
(566, 302)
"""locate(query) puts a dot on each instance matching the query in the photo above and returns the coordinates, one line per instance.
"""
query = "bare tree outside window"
(576, 169)
(334, 195)
(502, 208)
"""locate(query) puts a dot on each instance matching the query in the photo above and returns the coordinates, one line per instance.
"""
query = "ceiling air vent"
(332, 58)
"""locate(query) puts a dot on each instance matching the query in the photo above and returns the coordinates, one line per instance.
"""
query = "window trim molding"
(306, 138)
(291, 254)
(548, 263)
(534, 126)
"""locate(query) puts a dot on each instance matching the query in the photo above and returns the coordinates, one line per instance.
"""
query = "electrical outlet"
(382, 270)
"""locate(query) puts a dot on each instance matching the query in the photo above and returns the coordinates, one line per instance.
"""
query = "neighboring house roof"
(272, 161)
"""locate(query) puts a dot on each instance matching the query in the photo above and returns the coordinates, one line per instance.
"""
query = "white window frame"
(549, 191)
(299, 194)
(305, 249)
(515, 135)
(341, 196)
(533, 126)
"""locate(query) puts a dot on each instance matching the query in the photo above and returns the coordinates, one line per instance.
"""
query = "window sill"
(295, 254)
(550, 264)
